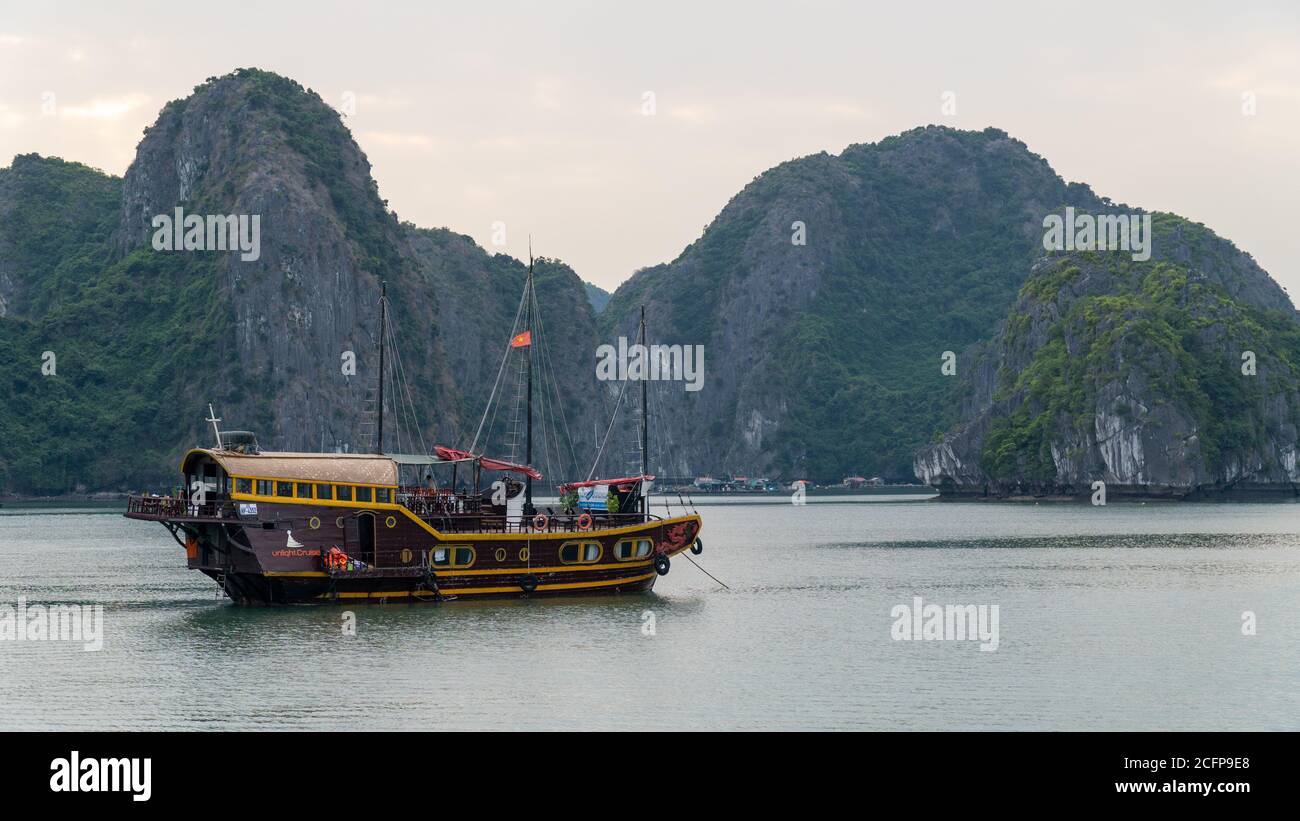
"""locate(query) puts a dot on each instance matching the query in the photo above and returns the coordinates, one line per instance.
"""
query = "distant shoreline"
(24, 499)
(1129, 494)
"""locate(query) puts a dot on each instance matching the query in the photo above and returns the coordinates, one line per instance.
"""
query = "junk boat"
(298, 528)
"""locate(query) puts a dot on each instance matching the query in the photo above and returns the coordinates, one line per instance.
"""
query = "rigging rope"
(514, 328)
(617, 403)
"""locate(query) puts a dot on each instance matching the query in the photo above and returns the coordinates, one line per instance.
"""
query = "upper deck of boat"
(443, 511)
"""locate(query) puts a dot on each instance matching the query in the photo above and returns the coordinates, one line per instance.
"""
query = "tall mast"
(383, 322)
(529, 510)
(645, 426)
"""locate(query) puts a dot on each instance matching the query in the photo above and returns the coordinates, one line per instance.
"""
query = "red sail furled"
(452, 455)
(567, 486)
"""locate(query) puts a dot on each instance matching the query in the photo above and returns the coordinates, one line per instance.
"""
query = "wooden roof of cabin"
(347, 468)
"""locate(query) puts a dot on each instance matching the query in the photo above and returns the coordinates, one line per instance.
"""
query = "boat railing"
(170, 507)
(542, 524)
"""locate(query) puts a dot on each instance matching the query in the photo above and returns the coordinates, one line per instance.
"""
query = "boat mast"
(383, 321)
(645, 426)
(529, 510)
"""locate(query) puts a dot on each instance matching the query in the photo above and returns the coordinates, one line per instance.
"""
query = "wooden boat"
(285, 528)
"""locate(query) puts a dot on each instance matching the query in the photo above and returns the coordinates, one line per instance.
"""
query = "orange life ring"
(540, 521)
(584, 521)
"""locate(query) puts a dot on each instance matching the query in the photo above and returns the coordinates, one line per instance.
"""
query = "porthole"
(501, 554)
(314, 523)
(523, 554)
(406, 555)
(458, 555)
(631, 549)
(339, 522)
(580, 552)
(391, 521)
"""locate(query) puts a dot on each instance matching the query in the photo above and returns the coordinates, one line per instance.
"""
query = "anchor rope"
(705, 572)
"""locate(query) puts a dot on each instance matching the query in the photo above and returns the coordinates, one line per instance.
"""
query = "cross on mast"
(212, 417)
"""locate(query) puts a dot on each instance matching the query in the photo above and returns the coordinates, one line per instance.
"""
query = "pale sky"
(532, 114)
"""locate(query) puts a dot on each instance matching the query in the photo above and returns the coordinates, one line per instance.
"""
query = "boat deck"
(170, 509)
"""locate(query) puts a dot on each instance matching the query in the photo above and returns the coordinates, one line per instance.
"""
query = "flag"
(522, 340)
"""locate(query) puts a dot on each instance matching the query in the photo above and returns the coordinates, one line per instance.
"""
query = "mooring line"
(705, 572)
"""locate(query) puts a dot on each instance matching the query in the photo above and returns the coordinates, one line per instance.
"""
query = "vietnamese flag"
(522, 340)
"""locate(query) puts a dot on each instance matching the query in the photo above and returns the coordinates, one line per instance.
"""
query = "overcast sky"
(532, 114)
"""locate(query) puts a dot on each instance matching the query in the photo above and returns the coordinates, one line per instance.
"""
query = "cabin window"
(363, 494)
(629, 549)
(343, 493)
(243, 485)
(382, 495)
(304, 490)
(579, 552)
(452, 556)
(284, 488)
(263, 487)
(324, 492)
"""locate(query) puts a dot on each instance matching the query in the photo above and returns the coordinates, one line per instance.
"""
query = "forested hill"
(826, 295)
(141, 339)
(827, 290)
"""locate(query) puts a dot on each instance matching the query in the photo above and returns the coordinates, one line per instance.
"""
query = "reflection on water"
(1123, 617)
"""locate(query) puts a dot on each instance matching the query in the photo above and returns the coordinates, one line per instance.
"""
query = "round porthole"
(339, 522)
(523, 554)
(391, 521)
(406, 556)
(314, 523)
(501, 554)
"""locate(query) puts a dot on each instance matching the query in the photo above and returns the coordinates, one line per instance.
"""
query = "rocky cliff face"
(826, 292)
(261, 335)
(256, 144)
(1174, 376)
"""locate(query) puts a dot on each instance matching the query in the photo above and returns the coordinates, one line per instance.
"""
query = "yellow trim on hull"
(471, 591)
(495, 571)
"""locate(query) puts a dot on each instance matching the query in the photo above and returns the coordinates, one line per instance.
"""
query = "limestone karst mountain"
(826, 295)
(144, 339)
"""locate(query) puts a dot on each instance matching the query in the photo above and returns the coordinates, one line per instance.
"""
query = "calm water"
(1123, 617)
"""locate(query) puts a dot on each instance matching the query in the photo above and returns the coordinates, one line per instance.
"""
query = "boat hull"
(276, 554)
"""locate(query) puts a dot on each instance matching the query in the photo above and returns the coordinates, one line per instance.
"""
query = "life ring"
(662, 565)
(540, 521)
(529, 584)
(698, 547)
(584, 522)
